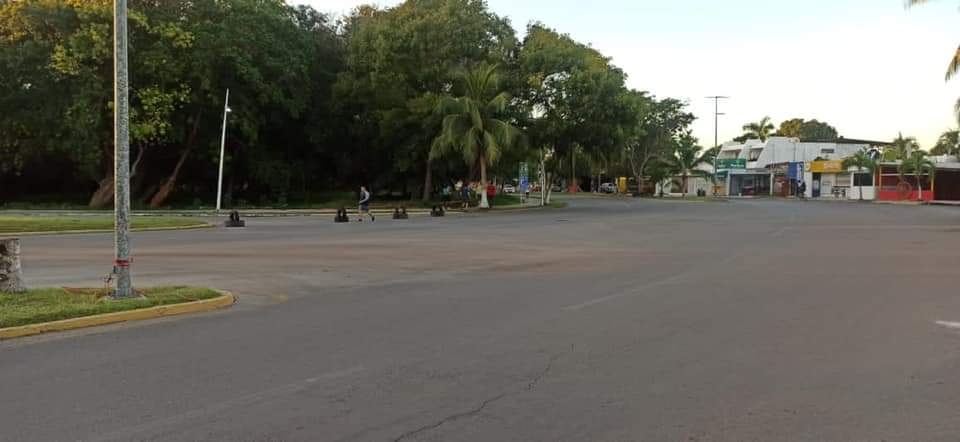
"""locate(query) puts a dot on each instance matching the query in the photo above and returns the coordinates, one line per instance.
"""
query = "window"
(826, 151)
(862, 179)
(755, 154)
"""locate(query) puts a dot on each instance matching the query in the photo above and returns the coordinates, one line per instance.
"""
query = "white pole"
(121, 146)
(223, 139)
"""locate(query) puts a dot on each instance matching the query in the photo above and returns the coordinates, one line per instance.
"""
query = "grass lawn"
(53, 304)
(17, 224)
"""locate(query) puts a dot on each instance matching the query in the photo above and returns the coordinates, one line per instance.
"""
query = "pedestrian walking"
(365, 205)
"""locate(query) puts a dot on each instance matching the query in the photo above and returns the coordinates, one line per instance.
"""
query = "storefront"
(896, 187)
(749, 182)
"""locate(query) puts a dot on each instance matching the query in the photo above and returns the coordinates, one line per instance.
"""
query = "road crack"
(531, 384)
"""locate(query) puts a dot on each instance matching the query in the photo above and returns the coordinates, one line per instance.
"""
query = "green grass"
(19, 224)
(53, 304)
(503, 199)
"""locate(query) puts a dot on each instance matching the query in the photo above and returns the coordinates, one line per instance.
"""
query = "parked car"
(608, 188)
(508, 188)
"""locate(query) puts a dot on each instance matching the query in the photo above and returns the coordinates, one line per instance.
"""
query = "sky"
(871, 68)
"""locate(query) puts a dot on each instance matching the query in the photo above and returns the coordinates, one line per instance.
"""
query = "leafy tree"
(471, 126)
(576, 100)
(947, 144)
(862, 161)
(900, 149)
(399, 62)
(807, 130)
(659, 126)
(918, 164)
(759, 130)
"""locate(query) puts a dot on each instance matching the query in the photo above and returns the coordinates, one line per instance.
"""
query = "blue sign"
(796, 171)
(523, 178)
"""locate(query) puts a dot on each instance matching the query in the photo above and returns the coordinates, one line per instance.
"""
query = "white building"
(770, 167)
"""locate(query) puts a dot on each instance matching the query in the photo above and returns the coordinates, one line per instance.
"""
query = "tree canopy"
(320, 104)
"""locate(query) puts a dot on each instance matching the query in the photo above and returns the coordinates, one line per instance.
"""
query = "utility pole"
(716, 142)
(121, 147)
(223, 141)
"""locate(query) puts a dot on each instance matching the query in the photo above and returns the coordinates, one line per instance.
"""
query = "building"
(945, 185)
(776, 167)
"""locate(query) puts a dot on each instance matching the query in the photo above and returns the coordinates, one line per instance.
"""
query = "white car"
(508, 188)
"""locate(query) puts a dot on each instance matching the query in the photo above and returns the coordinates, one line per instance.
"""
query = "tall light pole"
(716, 142)
(121, 155)
(223, 141)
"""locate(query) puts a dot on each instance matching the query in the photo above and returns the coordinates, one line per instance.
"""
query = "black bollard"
(235, 220)
(342, 216)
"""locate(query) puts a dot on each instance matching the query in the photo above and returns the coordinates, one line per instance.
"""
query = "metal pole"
(223, 140)
(121, 146)
(716, 142)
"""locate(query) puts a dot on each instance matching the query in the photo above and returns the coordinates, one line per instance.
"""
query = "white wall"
(854, 193)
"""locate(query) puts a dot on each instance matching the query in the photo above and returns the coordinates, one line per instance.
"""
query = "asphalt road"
(611, 320)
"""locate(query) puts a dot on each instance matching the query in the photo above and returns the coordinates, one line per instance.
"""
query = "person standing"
(365, 205)
(802, 190)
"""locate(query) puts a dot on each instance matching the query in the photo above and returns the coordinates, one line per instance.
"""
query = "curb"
(78, 232)
(205, 305)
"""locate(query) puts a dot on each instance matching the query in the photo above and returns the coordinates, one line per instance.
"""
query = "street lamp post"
(121, 155)
(223, 140)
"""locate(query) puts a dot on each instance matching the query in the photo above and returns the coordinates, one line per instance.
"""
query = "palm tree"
(918, 164)
(471, 126)
(759, 130)
(687, 157)
(954, 65)
(861, 161)
(901, 148)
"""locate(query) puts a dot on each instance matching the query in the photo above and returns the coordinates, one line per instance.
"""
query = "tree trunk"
(11, 274)
(428, 182)
(684, 191)
(919, 187)
(484, 203)
(160, 198)
(573, 172)
(103, 197)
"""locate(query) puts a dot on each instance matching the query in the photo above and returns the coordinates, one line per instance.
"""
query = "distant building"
(777, 166)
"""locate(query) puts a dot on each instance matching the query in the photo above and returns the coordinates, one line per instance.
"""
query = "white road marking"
(948, 324)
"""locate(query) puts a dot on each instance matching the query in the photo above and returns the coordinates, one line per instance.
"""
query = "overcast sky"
(869, 67)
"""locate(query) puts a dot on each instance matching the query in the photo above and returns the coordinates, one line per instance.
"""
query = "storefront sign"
(828, 166)
(796, 171)
(731, 163)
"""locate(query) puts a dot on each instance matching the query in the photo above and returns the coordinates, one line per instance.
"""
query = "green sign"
(731, 163)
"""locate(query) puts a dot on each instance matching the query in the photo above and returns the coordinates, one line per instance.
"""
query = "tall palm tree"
(686, 159)
(862, 162)
(918, 164)
(901, 148)
(471, 125)
(954, 65)
(759, 130)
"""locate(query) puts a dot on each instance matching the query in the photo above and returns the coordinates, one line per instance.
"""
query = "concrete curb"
(145, 229)
(205, 305)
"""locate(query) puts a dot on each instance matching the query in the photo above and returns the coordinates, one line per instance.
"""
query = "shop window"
(862, 179)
